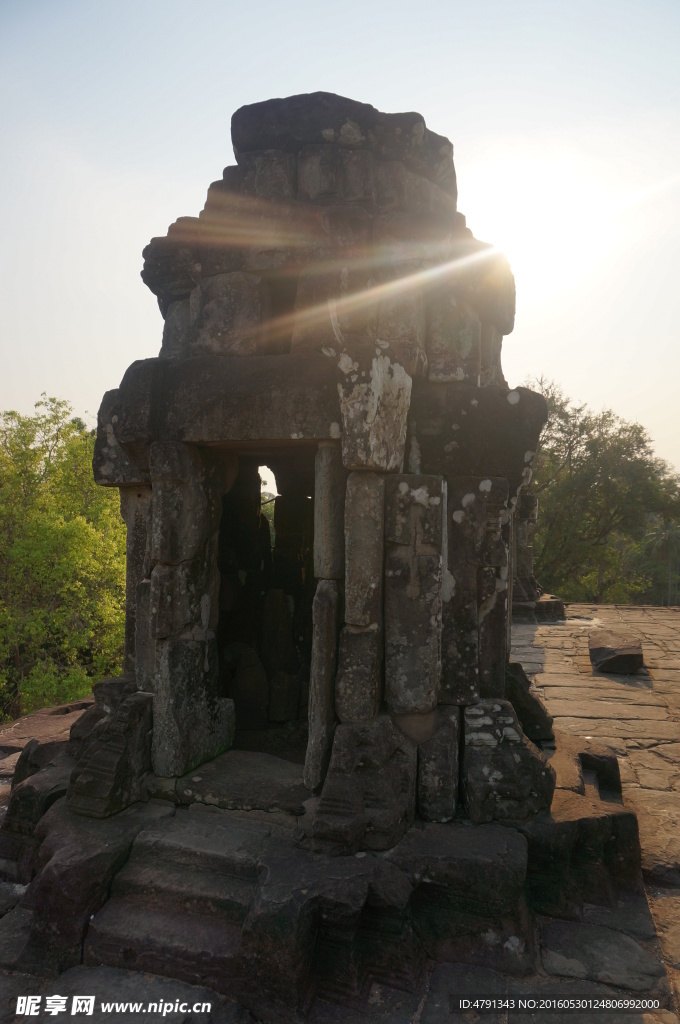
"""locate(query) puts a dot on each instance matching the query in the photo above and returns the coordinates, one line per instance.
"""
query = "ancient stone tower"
(330, 315)
(316, 775)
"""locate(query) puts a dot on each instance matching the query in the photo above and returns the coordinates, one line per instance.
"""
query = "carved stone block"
(453, 340)
(145, 642)
(358, 684)
(185, 509)
(114, 760)
(413, 592)
(271, 174)
(438, 768)
(401, 325)
(184, 597)
(326, 617)
(334, 307)
(135, 508)
(368, 798)
(505, 775)
(364, 531)
(192, 721)
(374, 405)
(177, 331)
(227, 313)
(112, 465)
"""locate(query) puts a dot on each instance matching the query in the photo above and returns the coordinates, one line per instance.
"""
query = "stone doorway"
(264, 631)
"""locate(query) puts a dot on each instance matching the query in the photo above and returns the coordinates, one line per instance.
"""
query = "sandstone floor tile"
(658, 815)
(665, 908)
(624, 729)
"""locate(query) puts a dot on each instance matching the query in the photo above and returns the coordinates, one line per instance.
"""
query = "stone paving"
(638, 717)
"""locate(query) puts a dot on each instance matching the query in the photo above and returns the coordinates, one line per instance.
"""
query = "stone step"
(189, 890)
(196, 948)
(206, 841)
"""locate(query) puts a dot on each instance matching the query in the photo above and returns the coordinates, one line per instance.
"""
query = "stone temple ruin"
(344, 690)
(330, 315)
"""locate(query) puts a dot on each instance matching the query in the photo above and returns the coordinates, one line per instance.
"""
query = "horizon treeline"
(608, 528)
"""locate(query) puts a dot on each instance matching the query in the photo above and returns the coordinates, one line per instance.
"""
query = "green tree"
(663, 541)
(599, 486)
(62, 562)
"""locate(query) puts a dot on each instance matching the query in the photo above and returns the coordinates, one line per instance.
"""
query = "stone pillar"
(358, 686)
(438, 767)
(492, 591)
(330, 482)
(466, 518)
(326, 619)
(192, 720)
(145, 641)
(135, 508)
(508, 534)
(413, 592)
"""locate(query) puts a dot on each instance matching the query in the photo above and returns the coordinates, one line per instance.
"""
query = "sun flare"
(555, 217)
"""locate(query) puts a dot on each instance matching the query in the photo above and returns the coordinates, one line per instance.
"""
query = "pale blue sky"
(565, 118)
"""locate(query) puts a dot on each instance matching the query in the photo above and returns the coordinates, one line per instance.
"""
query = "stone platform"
(207, 886)
(233, 901)
(635, 716)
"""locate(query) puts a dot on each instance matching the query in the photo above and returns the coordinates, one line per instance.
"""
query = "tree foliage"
(601, 492)
(62, 562)
(663, 541)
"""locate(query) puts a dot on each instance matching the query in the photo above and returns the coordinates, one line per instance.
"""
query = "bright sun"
(554, 216)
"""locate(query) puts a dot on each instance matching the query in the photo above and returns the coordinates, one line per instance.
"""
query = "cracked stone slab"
(653, 771)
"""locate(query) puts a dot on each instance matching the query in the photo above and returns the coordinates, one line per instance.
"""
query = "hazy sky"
(565, 118)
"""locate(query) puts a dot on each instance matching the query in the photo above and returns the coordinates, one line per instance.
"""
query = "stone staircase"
(210, 898)
(178, 906)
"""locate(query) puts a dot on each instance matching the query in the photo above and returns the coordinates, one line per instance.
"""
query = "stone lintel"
(271, 398)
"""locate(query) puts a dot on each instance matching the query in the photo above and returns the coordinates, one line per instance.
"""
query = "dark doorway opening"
(264, 633)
